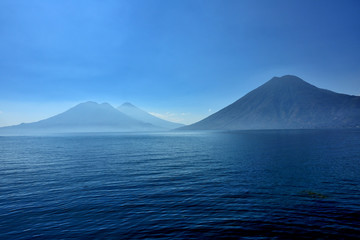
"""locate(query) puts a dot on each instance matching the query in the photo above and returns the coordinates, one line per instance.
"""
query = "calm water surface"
(240, 185)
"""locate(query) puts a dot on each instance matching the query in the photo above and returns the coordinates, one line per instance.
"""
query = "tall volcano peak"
(286, 102)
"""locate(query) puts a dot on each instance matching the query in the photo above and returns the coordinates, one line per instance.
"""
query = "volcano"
(286, 102)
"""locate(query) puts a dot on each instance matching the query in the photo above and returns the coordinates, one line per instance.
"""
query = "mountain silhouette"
(286, 102)
(84, 117)
(136, 113)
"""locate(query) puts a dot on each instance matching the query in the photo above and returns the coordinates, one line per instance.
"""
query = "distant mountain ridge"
(136, 113)
(86, 117)
(286, 102)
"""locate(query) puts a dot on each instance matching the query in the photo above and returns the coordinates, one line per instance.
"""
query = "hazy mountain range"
(286, 102)
(94, 117)
(143, 116)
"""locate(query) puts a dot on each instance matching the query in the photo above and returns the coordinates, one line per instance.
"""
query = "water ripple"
(181, 186)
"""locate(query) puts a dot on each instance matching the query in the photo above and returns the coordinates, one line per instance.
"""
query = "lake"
(181, 185)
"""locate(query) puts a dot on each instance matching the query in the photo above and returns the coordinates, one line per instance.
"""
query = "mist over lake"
(181, 185)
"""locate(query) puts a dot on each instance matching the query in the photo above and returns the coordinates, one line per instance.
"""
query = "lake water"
(205, 185)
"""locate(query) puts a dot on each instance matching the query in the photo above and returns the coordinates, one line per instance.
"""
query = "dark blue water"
(241, 185)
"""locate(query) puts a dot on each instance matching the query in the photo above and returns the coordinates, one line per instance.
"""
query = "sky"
(181, 60)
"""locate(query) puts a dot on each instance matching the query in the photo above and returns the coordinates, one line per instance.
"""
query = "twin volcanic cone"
(94, 117)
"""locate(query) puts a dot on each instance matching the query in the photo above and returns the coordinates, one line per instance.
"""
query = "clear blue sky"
(180, 59)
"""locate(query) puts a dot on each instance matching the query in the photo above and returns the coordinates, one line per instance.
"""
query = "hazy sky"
(179, 59)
